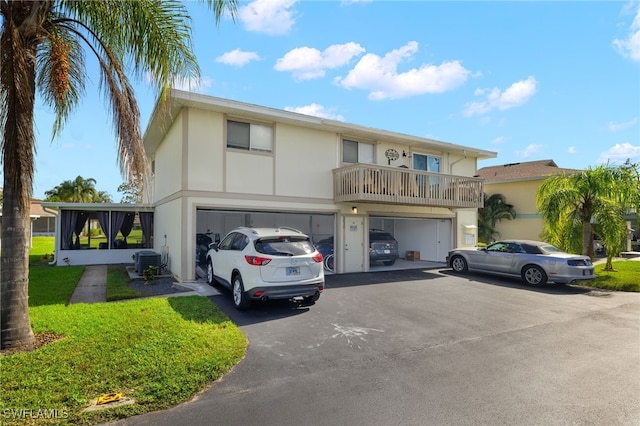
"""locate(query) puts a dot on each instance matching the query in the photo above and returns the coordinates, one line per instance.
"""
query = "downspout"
(55, 242)
(464, 152)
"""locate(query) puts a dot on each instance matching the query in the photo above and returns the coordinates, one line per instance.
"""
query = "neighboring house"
(218, 164)
(518, 182)
(42, 221)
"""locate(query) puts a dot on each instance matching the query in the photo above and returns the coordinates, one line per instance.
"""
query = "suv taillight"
(317, 258)
(257, 260)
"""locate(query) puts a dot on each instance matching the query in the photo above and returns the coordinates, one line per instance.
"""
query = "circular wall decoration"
(391, 154)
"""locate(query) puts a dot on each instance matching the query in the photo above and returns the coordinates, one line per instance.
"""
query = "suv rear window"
(380, 236)
(284, 246)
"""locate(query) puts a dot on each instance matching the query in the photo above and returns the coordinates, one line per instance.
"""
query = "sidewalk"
(92, 287)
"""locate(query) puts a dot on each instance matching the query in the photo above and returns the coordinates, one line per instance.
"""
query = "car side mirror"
(214, 246)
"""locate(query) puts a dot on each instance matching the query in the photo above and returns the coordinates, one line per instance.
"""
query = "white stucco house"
(218, 164)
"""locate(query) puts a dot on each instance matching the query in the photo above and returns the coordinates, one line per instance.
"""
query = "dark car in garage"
(383, 247)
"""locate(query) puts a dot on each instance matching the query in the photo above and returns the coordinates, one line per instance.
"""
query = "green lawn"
(625, 277)
(158, 351)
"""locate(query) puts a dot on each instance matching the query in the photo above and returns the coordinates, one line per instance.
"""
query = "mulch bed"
(42, 339)
(158, 287)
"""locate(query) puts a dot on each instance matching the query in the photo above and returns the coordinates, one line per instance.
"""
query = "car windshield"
(284, 246)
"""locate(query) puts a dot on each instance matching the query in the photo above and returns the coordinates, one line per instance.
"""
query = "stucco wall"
(205, 151)
(522, 195)
(168, 162)
(168, 221)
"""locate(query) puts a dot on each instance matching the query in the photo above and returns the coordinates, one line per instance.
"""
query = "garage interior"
(422, 242)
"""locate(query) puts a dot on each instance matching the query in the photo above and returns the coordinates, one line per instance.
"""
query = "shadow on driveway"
(517, 283)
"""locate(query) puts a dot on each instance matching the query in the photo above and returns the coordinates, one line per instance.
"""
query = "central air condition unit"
(146, 258)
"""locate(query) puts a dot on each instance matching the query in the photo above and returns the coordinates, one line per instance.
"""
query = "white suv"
(266, 263)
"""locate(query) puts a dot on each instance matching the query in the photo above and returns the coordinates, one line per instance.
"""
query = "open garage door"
(211, 225)
(425, 239)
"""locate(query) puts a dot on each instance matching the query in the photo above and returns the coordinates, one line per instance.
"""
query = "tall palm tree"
(570, 205)
(495, 210)
(42, 46)
(79, 190)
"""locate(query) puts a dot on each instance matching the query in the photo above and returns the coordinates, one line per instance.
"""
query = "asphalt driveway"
(425, 347)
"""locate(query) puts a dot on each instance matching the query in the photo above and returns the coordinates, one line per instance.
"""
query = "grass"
(625, 277)
(158, 351)
(117, 289)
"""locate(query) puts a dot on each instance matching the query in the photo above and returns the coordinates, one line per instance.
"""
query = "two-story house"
(218, 164)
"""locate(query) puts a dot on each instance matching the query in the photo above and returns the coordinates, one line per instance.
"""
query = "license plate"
(587, 272)
(293, 270)
(387, 251)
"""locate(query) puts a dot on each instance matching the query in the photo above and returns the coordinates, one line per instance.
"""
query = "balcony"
(393, 185)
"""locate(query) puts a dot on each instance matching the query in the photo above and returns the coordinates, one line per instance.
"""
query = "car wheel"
(210, 279)
(534, 275)
(240, 299)
(459, 264)
(389, 262)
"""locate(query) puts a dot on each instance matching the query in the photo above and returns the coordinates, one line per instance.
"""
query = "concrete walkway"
(92, 287)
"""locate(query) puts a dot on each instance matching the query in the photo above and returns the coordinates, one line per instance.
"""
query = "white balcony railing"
(393, 185)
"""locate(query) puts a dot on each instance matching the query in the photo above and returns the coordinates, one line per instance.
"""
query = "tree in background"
(80, 190)
(42, 47)
(495, 210)
(131, 193)
(571, 204)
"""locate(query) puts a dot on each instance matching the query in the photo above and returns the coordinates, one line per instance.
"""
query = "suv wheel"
(210, 279)
(240, 299)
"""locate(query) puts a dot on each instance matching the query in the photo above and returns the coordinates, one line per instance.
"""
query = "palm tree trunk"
(14, 271)
(587, 239)
(18, 44)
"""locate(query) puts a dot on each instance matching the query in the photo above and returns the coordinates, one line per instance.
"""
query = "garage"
(212, 225)
(419, 239)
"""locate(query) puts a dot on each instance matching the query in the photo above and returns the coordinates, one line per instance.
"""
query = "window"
(357, 152)
(252, 137)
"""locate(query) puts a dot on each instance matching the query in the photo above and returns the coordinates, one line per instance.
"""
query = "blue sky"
(528, 80)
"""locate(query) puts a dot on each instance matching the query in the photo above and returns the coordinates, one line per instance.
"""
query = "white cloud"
(237, 58)
(529, 150)
(615, 127)
(306, 63)
(317, 111)
(572, 150)
(380, 75)
(499, 140)
(272, 17)
(629, 46)
(515, 95)
(619, 153)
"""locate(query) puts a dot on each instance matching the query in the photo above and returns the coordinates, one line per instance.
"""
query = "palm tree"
(570, 205)
(80, 190)
(495, 210)
(42, 47)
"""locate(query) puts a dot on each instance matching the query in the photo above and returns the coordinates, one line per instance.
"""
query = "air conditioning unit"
(146, 258)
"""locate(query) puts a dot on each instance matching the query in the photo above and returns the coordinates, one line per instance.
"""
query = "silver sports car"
(535, 261)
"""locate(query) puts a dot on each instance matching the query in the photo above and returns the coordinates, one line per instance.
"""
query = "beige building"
(518, 182)
(218, 164)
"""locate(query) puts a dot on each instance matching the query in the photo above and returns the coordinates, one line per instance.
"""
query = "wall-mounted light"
(354, 210)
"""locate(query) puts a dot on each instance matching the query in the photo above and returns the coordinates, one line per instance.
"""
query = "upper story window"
(249, 136)
(428, 163)
(357, 152)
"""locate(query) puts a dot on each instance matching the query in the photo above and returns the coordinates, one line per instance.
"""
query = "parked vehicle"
(383, 247)
(266, 263)
(536, 262)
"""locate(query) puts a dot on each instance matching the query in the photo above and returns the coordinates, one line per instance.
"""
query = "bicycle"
(329, 263)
